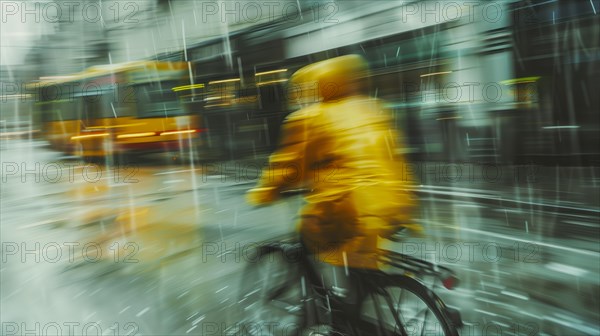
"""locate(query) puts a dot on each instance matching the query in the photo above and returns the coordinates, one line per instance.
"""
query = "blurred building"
(87, 34)
(559, 44)
(503, 81)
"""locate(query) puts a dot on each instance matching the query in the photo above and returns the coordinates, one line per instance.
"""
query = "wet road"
(158, 248)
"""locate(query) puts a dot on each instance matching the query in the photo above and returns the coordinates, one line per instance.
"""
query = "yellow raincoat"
(345, 150)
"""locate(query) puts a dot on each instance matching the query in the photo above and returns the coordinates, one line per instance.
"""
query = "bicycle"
(281, 278)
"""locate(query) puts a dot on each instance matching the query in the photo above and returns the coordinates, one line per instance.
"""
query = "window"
(157, 99)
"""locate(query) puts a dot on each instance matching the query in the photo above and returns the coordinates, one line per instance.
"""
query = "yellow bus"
(122, 108)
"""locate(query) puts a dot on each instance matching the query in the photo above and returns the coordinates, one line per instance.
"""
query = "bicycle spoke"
(379, 313)
(396, 313)
(394, 309)
(417, 315)
(424, 319)
(412, 307)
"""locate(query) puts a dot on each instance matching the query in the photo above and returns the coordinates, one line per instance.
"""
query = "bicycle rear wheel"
(270, 301)
(400, 305)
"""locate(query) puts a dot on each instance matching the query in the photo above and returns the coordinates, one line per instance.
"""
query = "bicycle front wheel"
(400, 305)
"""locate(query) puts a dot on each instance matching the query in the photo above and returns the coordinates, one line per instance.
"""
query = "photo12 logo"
(452, 253)
(236, 12)
(68, 328)
(54, 252)
(417, 328)
(446, 11)
(208, 328)
(469, 172)
(463, 252)
(50, 89)
(53, 172)
(69, 11)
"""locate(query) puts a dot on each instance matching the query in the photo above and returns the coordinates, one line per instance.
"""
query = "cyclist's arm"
(287, 165)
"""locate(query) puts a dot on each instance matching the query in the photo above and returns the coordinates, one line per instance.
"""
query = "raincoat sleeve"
(287, 166)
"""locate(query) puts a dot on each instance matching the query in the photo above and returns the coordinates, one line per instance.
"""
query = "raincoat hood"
(335, 78)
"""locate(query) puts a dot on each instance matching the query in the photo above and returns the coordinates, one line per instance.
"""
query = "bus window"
(157, 99)
(61, 110)
(113, 104)
(91, 110)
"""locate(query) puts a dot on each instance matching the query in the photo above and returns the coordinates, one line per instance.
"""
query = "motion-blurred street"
(131, 133)
(169, 260)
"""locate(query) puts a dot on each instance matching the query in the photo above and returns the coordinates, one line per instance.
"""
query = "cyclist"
(342, 148)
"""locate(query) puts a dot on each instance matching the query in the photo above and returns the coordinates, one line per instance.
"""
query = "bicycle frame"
(369, 283)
